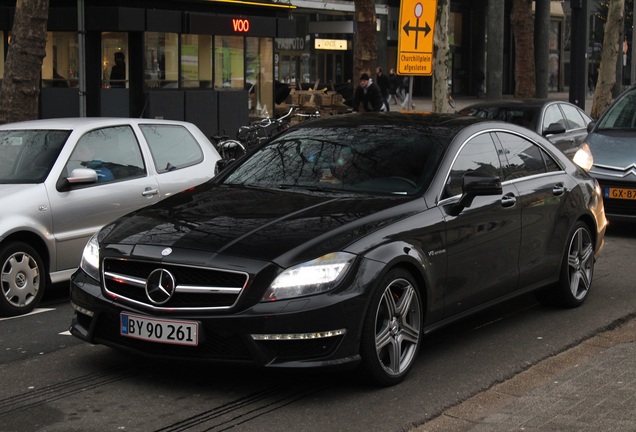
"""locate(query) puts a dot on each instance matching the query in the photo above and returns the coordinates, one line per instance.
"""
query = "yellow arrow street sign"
(415, 37)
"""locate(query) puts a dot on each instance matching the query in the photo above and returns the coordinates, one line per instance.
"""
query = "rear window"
(172, 146)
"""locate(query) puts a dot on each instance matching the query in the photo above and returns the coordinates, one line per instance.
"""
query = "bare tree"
(522, 23)
(365, 52)
(609, 57)
(441, 49)
(20, 89)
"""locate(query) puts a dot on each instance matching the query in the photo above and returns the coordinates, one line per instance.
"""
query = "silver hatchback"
(63, 179)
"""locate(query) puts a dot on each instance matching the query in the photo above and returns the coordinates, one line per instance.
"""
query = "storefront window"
(228, 62)
(196, 61)
(60, 66)
(161, 60)
(114, 69)
(259, 74)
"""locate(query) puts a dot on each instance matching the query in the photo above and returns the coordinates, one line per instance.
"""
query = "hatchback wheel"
(577, 270)
(22, 278)
(392, 329)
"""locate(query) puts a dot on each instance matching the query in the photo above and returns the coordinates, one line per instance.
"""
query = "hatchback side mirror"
(477, 184)
(591, 125)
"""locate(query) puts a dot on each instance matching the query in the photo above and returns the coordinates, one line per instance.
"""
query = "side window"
(172, 146)
(478, 154)
(112, 152)
(552, 115)
(574, 118)
(524, 158)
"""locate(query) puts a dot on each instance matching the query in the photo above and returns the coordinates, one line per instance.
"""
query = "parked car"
(63, 179)
(612, 143)
(563, 123)
(343, 241)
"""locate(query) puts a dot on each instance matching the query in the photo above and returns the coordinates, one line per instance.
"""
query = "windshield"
(26, 156)
(369, 159)
(622, 115)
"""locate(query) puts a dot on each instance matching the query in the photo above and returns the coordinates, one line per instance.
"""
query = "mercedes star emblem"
(160, 286)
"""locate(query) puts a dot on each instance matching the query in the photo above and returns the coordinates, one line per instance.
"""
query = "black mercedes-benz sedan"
(342, 242)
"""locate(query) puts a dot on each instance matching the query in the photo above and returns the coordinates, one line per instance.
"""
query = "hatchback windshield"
(622, 115)
(26, 156)
(373, 159)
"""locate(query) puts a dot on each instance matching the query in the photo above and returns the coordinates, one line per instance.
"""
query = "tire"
(22, 279)
(391, 333)
(577, 270)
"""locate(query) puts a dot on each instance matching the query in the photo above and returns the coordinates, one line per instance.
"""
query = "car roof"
(434, 123)
(513, 103)
(70, 123)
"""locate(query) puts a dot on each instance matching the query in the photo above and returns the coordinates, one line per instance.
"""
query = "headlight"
(583, 157)
(311, 277)
(90, 258)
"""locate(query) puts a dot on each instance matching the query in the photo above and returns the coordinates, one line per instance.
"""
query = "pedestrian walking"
(407, 97)
(368, 95)
(394, 87)
(383, 83)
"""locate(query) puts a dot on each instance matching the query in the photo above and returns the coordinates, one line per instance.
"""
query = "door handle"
(508, 200)
(558, 189)
(150, 192)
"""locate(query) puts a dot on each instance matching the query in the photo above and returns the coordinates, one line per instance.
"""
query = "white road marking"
(34, 312)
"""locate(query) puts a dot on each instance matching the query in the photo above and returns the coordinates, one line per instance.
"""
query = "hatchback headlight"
(583, 157)
(90, 258)
(312, 277)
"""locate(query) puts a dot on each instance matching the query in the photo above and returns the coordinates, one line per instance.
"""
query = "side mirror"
(476, 184)
(221, 164)
(82, 175)
(554, 128)
(591, 125)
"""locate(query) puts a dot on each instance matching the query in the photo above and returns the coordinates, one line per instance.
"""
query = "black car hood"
(616, 149)
(261, 224)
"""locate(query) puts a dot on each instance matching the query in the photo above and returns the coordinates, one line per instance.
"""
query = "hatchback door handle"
(149, 192)
(558, 189)
(508, 200)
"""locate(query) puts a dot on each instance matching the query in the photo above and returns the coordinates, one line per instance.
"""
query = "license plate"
(159, 330)
(620, 193)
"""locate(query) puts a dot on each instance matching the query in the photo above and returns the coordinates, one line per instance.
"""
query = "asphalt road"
(51, 381)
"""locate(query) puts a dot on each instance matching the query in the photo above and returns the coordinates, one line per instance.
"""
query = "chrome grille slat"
(198, 289)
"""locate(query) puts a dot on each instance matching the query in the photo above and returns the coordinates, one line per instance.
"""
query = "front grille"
(197, 288)
(618, 206)
(216, 345)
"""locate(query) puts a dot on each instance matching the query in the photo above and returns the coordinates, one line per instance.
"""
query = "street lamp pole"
(578, 52)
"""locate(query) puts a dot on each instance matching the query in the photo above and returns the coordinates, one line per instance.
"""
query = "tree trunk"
(609, 55)
(440, 59)
(365, 51)
(20, 89)
(542, 47)
(495, 43)
(521, 20)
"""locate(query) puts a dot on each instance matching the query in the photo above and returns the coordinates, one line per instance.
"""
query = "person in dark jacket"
(383, 83)
(368, 95)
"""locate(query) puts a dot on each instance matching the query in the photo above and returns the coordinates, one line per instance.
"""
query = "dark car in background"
(342, 242)
(612, 144)
(563, 123)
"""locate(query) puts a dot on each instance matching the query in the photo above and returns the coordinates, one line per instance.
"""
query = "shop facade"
(210, 63)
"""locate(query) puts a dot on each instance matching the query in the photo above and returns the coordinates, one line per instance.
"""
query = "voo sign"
(240, 25)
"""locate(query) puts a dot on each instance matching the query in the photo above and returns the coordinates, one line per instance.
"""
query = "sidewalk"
(588, 388)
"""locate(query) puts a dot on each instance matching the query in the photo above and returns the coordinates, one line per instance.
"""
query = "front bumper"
(240, 337)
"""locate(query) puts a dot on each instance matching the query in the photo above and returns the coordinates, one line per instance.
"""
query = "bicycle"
(250, 136)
